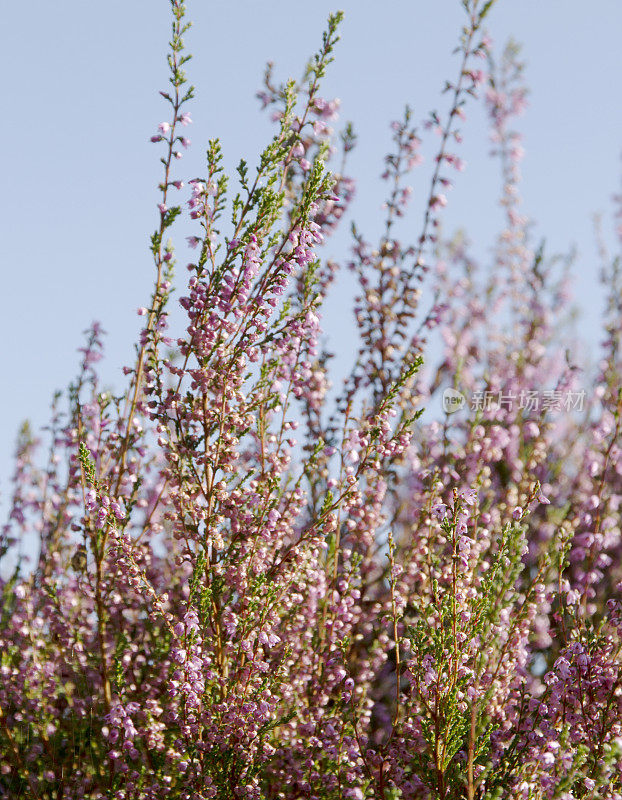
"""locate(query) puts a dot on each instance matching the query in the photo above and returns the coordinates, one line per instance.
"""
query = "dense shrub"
(250, 583)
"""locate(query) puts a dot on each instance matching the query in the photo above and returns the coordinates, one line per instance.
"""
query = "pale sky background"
(80, 100)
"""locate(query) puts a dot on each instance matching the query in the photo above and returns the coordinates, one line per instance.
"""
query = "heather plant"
(251, 580)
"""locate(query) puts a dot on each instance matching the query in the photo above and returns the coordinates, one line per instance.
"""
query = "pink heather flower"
(305, 165)
(185, 142)
(572, 597)
(438, 201)
(457, 163)
(156, 139)
(164, 127)
(163, 208)
(543, 499)
(562, 668)
(185, 118)
(547, 759)
(464, 545)
(141, 311)
(469, 497)
(517, 513)
(178, 184)
(91, 499)
(477, 76)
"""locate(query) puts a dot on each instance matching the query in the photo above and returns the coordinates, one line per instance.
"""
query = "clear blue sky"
(80, 99)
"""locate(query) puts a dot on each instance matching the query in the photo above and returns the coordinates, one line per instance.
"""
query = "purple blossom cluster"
(243, 578)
